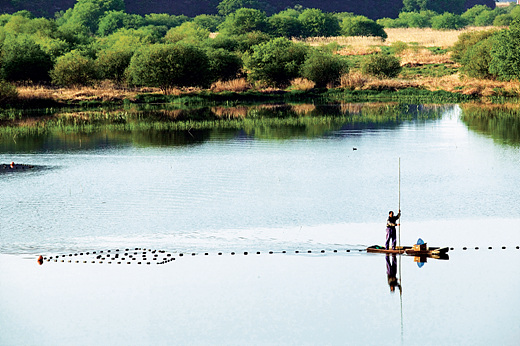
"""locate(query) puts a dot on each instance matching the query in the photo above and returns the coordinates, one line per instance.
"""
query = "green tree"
(323, 68)
(317, 23)
(244, 20)
(505, 54)
(503, 20)
(75, 34)
(472, 13)
(422, 19)
(276, 62)
(22, 59)
(226, 7)
(439, 6)
(414, 5)
(476, 60)
(112, 64)
(447, 21)
(73, 69)
(164, 19)
(283, 25)
(223, 65)
(188, 32)
(467, 40)
(381, 65)
(114, 20)
(170, 65)
(208, 21)
(392, 23)
(485, 18)
(88, 12)
(8, 92)
(361, 26)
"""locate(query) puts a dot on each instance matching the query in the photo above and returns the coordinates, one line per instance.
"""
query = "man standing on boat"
(391, 222)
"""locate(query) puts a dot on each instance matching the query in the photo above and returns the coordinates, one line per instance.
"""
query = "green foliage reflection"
(500, 122)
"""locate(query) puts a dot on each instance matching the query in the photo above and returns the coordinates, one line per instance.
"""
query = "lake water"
(266, 189)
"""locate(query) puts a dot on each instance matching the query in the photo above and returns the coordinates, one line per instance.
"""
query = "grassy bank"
(428, 76)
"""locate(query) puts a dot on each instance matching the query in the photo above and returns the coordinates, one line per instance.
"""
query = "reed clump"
(235, 85)
(302, 84)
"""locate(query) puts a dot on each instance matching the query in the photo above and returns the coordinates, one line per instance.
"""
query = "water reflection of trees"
(500, 122)
(152, 125)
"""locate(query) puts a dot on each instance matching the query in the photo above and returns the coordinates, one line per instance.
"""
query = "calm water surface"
(269, 189)
(233, 190)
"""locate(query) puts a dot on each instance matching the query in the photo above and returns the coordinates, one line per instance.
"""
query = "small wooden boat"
(409, 250)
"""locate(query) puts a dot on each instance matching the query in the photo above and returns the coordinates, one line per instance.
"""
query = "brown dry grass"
(358, 81)
(101, 92)
(358, 50)
(419, 57)
(428, 37)
(302, 84)
(469, 86)
(237, 85)
(425, 37)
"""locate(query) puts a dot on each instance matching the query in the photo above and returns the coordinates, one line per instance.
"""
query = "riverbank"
(357, 88)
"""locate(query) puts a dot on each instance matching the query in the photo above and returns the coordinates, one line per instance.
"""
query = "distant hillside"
(371, 8)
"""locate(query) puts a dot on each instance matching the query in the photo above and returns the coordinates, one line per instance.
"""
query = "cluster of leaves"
(97, 40)
(418, 15)
(490, 54)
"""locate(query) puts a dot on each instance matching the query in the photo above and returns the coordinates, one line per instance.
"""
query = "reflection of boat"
(434, 252)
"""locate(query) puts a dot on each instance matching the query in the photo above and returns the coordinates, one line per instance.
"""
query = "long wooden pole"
(399, 200)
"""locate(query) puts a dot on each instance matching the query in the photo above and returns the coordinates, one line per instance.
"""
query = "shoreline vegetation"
(428, 75)
(103, 61)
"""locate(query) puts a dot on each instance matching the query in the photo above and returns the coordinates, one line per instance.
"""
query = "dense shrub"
(208, 21)
(453, 6)
(244, 21)
(251, 39)
(275, 62)
(112, 64)
(187, 31)
(472, 13)
(448, 21)
(505, 54)
(503, 20)
(114, 20)
(381, 65)
(361, 26)
(164, 19)
(323, 68)
(317, 23)
(467, 40)
(477, 58)
(391, 23)
(170, 65)
(73, 69)
(22, 59)
(422, 19)
(226, 7)
(485, 18)
(8, 92)
(282, 25)
(223, 65)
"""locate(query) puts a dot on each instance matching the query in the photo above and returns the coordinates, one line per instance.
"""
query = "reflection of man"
(391, 272)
